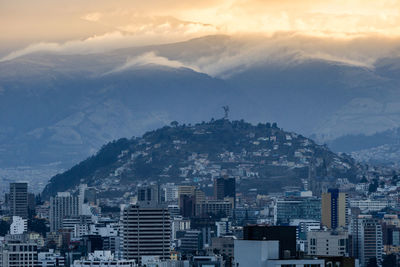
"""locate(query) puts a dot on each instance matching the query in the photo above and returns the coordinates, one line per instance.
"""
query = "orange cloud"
(137, 22)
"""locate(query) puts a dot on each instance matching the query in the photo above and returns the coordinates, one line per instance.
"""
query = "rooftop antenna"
(226, 111)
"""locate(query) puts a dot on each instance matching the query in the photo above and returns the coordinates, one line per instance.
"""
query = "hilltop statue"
(226, 111)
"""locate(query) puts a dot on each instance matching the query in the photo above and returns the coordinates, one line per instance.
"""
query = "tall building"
(18, 199)
(31, 204)
(224, 187)
(146, 231)
(187, 206)
(189, 196)
(367, 239)
(81, 199)
(334, 205)
(185, 190)
(146, 226)
(61, 206)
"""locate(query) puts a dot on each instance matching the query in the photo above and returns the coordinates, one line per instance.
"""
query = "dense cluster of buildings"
(182, 225)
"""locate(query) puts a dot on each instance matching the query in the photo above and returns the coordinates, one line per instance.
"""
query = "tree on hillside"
(373, 186)
(364, 180)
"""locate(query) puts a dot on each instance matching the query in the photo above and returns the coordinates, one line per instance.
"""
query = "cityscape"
(207, 219)
(212, 133)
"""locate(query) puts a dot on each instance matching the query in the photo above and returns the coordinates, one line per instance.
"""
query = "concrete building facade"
(146, 231)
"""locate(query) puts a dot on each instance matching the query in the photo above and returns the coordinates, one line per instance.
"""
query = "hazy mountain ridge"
(261, 156)
(83, 113)
(379, 148)
(72, 104)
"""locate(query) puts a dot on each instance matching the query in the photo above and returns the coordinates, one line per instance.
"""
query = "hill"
(379, 148)
(260, 156)
(58, 109)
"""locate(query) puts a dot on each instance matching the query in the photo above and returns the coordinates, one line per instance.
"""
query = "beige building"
(327, 243)
(333, 209)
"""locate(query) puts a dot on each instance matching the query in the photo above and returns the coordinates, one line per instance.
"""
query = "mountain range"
(62, 107)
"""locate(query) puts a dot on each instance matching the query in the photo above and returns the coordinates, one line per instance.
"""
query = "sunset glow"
(46, 20)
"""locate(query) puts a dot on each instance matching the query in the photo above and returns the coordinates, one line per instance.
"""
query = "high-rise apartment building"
(185, 190)
(146, 231)
(367, 239)
(18, 199)
(334, 209)
(62, 206)
(224, 187)
(189, 197)
(146, 227)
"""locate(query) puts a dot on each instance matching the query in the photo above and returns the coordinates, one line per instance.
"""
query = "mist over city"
(222, 133)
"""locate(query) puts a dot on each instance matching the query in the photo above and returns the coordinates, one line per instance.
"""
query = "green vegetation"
(271, 154)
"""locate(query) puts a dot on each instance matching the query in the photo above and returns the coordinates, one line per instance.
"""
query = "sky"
(107, 24)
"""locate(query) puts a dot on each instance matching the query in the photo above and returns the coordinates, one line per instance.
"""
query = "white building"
(305, 226)
(112, 237)
(78, 225)
(179, 224)
(369, 205)
(223, 227)
(82, 188)
(61, 206)
(103, 259)
(266, 254)
(170, 192)
(326, 243)
(50, 259)
(18, 226)
(154, 261)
